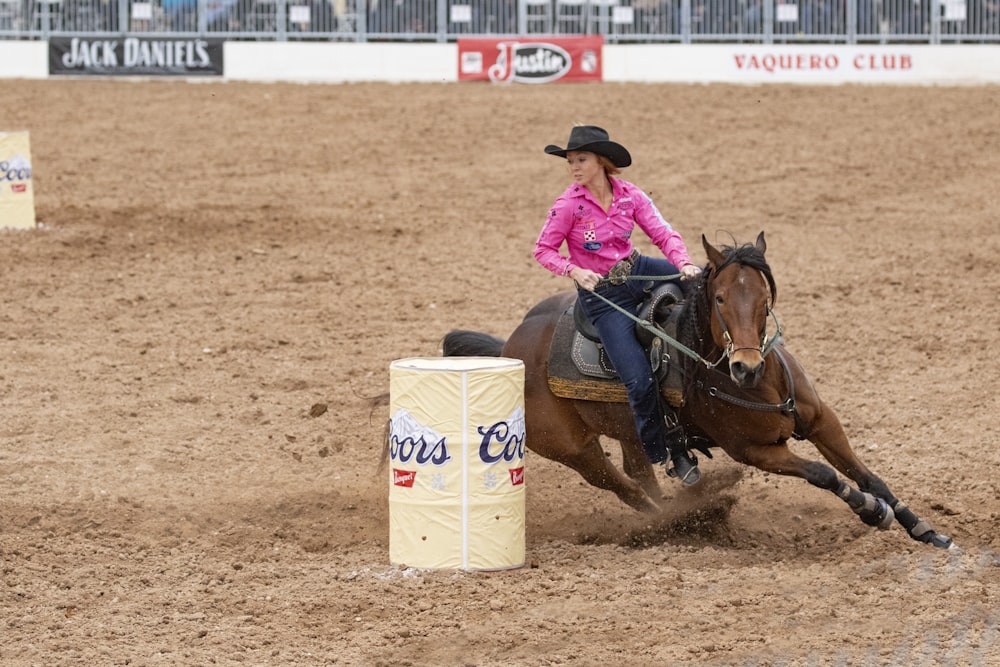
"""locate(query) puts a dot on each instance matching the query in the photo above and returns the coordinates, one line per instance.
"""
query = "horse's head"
(740, 290)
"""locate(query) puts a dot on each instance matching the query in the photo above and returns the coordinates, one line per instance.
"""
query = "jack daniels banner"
(135, 56)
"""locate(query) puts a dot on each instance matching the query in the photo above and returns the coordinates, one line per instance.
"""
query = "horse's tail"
(462, 343)
(375, 403)
(384, 458)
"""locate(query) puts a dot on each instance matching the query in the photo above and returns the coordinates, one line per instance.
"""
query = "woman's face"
(585, 167)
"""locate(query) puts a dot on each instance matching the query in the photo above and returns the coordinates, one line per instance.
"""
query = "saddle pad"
(566, 379)
(579, 368)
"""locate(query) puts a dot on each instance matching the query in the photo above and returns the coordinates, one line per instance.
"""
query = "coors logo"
(17, 168)
(409, 440)
(412, 443)
(537, 62)
(504, 440)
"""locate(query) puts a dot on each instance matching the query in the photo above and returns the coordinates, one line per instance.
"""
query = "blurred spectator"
(892, 20)
(322, 15)
(496, 17)
(402, 16)
(82, 15)
(908, 17)
(753, 17)
(380, 14)
(299, 20)
(420, 15)
(989, 17)
(818, 17)
(181, 14)
(221, 15)
(709, 17)
(868, 21)
(318, 18)
(12, 14)
(657, 17)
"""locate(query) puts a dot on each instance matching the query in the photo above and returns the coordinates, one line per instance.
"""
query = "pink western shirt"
(597, 240)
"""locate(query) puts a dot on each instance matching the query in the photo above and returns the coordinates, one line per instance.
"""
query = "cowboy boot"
(685, 464)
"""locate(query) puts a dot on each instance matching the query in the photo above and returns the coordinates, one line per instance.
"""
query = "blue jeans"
(625, 352)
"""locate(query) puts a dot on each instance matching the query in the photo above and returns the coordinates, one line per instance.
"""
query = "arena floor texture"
(213, 260)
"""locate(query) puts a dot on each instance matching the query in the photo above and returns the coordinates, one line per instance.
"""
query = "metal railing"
(620, 21)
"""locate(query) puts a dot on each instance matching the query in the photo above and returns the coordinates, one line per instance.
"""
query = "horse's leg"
(555, 430)
(594, 466)
(637, 466)
(615, 421)
(831, 441)
(779, 459)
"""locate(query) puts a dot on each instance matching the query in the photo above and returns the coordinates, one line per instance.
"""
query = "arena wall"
(340, 61)
(337, 62)
(23, 60)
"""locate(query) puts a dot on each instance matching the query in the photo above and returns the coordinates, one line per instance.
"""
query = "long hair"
(609, 167)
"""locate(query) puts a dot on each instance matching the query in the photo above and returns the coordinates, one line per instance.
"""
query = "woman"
(595, 218)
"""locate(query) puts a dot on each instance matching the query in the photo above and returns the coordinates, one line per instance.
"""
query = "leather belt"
(620, 272)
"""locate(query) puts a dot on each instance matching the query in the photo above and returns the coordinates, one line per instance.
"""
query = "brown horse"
(743, 392)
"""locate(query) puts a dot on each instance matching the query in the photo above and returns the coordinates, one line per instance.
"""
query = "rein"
(656, 331)
(768, 344)
(787, 407)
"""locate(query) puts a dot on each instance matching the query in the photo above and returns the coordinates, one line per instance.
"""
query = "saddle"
(578, 364)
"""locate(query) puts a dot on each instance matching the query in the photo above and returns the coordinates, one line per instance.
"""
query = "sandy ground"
(213, 260)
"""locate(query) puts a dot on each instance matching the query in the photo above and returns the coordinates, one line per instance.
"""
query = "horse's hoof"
(879, 514)
(889, 517)
(940, 541)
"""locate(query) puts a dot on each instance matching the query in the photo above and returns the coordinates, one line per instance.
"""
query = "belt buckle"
(619, 272)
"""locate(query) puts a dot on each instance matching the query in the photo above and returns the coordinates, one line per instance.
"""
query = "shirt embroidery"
(596, 238)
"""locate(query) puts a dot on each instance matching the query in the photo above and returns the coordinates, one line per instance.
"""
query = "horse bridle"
(766, 344)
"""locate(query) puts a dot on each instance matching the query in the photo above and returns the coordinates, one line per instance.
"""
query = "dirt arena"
(214, 260)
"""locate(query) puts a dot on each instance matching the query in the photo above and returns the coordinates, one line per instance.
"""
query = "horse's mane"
(697, 309)
(748, 255)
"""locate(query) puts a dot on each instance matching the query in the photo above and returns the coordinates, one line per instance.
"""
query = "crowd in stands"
(414, 19)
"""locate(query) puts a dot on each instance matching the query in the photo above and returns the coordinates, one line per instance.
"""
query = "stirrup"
(685, 469)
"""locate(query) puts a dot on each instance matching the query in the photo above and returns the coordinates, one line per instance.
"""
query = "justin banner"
(533, 60)
(17, 198)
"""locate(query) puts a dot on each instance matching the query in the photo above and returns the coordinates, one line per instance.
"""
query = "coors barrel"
(456, 472)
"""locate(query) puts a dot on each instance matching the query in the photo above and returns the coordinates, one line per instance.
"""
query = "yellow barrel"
(456, 473)
(17, 195)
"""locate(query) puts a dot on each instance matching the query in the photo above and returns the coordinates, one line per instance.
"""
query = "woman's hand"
(585, 278)
(690, 271)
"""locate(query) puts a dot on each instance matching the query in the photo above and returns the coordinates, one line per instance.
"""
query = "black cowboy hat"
(594, 140)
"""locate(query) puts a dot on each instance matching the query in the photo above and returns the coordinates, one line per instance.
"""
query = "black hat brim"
(614, 151)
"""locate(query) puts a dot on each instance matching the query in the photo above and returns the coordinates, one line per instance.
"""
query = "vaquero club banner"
(531, 60)
(135, 56)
